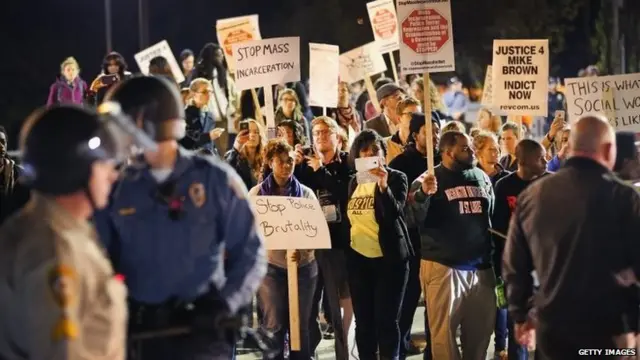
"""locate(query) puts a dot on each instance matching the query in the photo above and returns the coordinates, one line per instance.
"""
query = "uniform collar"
(183, 162)
(57, 217)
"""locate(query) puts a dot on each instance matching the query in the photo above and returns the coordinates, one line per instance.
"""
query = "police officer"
(180, 230)
(58, 294)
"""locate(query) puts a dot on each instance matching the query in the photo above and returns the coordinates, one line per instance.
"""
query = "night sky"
(39, 35)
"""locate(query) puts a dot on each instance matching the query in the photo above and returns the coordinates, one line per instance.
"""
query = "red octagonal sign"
(233, 37)
(425, 31)
(384, 23)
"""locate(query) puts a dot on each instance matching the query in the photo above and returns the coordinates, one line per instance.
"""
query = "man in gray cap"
(386, 123)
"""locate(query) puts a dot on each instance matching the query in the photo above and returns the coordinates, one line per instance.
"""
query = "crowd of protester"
(406, 234)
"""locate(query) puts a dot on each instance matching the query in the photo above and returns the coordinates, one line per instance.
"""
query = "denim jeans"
(377, 289)
(500, 331)
(274, 301)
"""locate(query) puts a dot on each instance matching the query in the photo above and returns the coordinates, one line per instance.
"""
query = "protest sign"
(382, 14)
(616, 96)
(291, 223)
(267, 62)
(426, 36)
(359, 63)
(520, 76)
(324, 73)
(487, 90)
(236, 30)
(160, 49)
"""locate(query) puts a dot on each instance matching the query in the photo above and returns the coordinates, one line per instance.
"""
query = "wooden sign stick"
(256, 104)
(393, 66)
(294, 302)
(428, 125)
(372, 93)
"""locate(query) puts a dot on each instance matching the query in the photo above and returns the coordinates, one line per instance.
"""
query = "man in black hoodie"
(412, 162)
(453, 208)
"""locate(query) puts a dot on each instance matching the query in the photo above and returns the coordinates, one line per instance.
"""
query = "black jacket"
(576, 228)
(331, 185)
(389, 210)
(13, 195)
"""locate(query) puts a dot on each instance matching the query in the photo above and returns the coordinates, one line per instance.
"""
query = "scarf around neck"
(269, 187)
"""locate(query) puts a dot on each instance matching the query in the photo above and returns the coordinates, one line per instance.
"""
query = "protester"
(200, 132)
(386, 124)
(301, 93)
(510, 135)
(326, 170)
(453, 209)
(289, 109)
(114, 70)
(60, 298)
(560, 148)
(173, 208)
(292, 132)
(454, 126)
(628, 159)
(412, 162)
(224, 100)
(366, 107)
(455, 100)
(345, 114)
(69, 88)
(580, 223)
(531, 165)
(13, 195)
(272, 295)
(417, 91)
(187, 61)
(551, 137)
(398, 141)
(486, 147)
(377, 260)
(159, 66)
(246, 155)
(488, 121)
(556, 102)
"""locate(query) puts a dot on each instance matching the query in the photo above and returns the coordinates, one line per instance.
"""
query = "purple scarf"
(269, 187)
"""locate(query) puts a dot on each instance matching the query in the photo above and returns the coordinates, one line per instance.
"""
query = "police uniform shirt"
(58, 294)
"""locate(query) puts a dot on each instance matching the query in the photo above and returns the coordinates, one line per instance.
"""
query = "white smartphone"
(367, 163)
(559, 114)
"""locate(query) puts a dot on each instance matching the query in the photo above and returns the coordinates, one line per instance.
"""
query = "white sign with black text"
(616, 96)
(360, 62)
(267, 62)
(160, 49)
(520, 77)
(291, 223)
(324, 74)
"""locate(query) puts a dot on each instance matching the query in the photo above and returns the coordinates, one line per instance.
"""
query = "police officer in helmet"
(173, 220)
(58, 294)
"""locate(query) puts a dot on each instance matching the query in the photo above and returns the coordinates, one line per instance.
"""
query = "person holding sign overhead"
(273, 293)
(378, 258)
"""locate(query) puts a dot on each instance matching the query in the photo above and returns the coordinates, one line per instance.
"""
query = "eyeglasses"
(319, 133)
(206, 92)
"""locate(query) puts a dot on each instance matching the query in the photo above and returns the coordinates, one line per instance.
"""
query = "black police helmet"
(154, 104)
(59, 146)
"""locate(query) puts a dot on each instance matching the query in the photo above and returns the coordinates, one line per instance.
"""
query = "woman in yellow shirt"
(377, 261)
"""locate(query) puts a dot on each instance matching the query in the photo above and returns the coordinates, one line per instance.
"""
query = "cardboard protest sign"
(361, 62)
(160, 49)
(236, 30)
(487, 90)
(426, 36)
(616, 96)
(267, 62)
(521, 76)
(291, 223)
(382, 14)
(324, 73)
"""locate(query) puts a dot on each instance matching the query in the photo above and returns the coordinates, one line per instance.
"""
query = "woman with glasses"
(289, 108)
(396, 142)
(201, 132)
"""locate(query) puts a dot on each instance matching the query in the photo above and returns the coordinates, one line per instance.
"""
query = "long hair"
(297, 111)
(159, 66)
(256, 166)
(207, 62)
(119, 59)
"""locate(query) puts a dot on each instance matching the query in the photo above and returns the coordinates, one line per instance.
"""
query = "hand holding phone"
(560, 114)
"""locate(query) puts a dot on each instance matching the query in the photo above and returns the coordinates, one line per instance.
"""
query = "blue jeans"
(273, 300)
(377, 290)
(500, 330)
